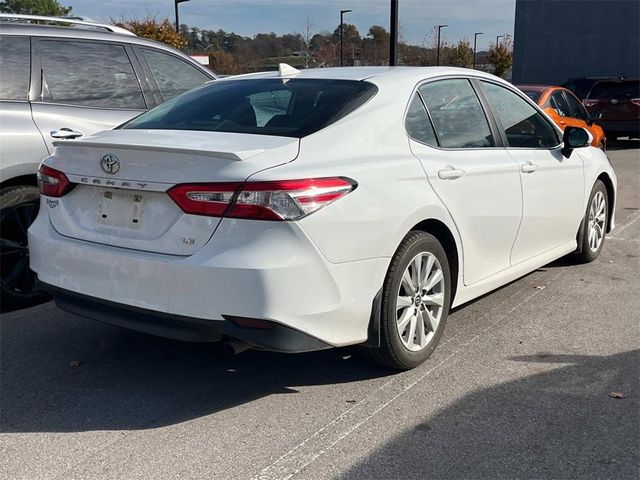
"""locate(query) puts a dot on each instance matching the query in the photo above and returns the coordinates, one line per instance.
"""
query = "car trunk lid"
(121, 180)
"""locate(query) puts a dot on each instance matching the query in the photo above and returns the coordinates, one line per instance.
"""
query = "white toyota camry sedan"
(295, 211)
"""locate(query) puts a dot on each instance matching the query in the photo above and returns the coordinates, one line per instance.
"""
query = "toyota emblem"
(110, 163)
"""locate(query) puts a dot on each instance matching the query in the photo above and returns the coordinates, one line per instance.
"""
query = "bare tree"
(308, 31)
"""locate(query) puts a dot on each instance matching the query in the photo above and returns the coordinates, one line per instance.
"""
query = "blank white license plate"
(117, 208)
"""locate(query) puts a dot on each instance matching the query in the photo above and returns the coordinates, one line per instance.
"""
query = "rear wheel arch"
(608, 183)
(20, 180)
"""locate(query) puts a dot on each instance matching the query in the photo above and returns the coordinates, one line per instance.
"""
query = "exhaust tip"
(234, 347)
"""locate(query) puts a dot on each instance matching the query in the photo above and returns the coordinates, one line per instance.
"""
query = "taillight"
(636, 101)
(211, 199)
(274, 200)
(589, 102)
(52, 183)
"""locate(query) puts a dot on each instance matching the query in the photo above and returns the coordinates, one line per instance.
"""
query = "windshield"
(280, 107)
(608, 90)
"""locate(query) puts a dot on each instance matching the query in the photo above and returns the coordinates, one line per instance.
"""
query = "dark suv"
(60, 82)
(617, 104)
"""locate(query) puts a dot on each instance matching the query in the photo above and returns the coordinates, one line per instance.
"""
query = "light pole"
(440, 27)
(475, 44)
(393, 34)
(498, 40)
(176, 2)
(342, 12)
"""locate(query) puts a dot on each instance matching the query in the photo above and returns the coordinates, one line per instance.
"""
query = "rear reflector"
(277, 200)
(52, 182)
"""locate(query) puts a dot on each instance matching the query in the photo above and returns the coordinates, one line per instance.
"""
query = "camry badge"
(110, 163)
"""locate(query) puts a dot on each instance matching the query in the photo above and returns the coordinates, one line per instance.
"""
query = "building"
(555, 40)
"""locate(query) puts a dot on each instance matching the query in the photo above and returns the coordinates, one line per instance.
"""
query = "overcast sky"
(248, 17)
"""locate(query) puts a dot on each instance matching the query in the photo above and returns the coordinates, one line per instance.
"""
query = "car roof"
(379, 74)
(35, 30)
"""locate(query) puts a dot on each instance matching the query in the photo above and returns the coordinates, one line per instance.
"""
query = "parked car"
(64, 82)
(616, 105)
(356, 208)
(582, 86)
(564, 108)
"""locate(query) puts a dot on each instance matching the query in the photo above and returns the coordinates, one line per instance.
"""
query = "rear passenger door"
(21, 145)
(552, 185)
(469, 169)
(86, 86)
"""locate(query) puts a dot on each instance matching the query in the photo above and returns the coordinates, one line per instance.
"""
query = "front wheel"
(415, 302)
(594, 224)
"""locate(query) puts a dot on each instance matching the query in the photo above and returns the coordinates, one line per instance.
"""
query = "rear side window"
(89, 74)
(267, 106)
(173, 75)
(523, 125)
(457, 116)
(418, 124)
(15, 67)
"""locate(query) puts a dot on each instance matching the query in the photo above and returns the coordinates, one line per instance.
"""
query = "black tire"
(586, 253)
(392, 352)
(18, 208)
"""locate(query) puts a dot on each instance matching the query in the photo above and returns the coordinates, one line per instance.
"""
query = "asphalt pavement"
(539, 379)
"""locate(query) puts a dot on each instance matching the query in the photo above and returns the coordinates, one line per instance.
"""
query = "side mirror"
(574, 137)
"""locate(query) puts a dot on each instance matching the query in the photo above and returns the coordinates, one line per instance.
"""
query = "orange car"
(565, 109)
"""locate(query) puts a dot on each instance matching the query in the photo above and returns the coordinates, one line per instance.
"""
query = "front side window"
(89, 74)
(267, 106)
(523, 125)
(418, 124)
(457, 116)
(173, 75)
(576, 108)
(15, 66)
(559, 104)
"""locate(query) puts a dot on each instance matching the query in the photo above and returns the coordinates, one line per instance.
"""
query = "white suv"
(65, 81)
(294, 211)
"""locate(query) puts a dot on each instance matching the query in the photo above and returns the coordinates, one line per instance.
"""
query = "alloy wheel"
(420, 300)
(597, 219)
(15, 274)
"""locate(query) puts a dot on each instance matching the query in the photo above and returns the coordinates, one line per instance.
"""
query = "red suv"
(617, 103)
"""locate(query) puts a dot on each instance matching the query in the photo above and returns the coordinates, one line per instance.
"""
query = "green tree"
(51, 8)
(461, 54)
(162, 31)
(501, 56)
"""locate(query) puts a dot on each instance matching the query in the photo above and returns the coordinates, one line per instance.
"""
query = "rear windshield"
(280, 107)
(608, 90)
(532, 94)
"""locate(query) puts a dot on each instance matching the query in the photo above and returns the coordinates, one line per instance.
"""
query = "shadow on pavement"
(125, 380)
(557, 424)
(623, 144)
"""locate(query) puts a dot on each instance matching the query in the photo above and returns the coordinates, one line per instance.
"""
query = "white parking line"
(339, 428)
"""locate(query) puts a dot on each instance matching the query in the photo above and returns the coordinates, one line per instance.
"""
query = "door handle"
(528, 167)
(450, 173)
(65, 133)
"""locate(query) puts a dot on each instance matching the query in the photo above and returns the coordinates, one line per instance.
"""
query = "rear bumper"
(250, 269)
(272, 336)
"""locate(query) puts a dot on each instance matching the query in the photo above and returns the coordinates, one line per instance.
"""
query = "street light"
(475, 43)
(342, 12)
(498, 39)
(440, 27)
(176, 2)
